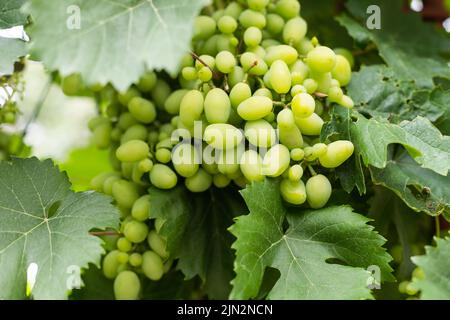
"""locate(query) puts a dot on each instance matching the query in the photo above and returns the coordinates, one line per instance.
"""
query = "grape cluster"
(249, 103)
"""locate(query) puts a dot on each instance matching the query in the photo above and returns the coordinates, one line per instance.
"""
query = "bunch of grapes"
(249, 104)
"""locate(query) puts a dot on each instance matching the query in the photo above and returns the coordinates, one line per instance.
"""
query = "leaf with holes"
(43, 222)
(115, 40)
(323, 254)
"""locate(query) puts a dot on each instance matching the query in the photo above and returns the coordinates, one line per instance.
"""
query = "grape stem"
(104, 233)
(226, 86)
(196, 57)
(320, 94)
(366, 50)
(313, 172)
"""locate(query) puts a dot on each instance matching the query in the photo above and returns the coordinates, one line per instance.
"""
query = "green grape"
(133, 150)
(335, 94)
(211, 168)
(126, 120)
(185, 160)
(108, 183)
(252, 37)
(189, 73)
(217, 106)
(310, 126)
(220, 180)
(204, 27)
(253, 64)
(319, 108)
(96, 121)
(304, 46)
(255, 108)
(257, 5)
(122, 257)
(227, 24)
(346, 102)
(309, 154)
(233, 9)
(143, 110)
(294, 31)
(125, 193)
(258, 50)
(310, 85)
(280, 77)
(342, 70)
(260, 133)
(135, 259)
(288, 132)
(110, 264)
(287, 8)
(152, 265)
(318, 191)
(127, 286)
(225, 61)
(116, 134)
(297, 154)
(101, 137)
(402, 286)
(335, 83)
(240, 92)
(141, 208)
(147, 82)
(276, 161)
(267, 43)
(98, 181)
(303, 105)
(160, 93)
(210, 61)
(134, 132)
(125, 97)
(158, 244)
(72, 84)
(236, 76)
(225, 42)
(250, 18)
(418, 273)
(124, 245)
(324, 81)
(299, 72)
(172, 104)
(319, 149)
(222, 136)
(337, 153)
(295, 173)
(281, 52)
(321, 59)
(204, 74)
(275, 23)
(293, 191)
(163, 155)
(263, 92)
(296, 89)
(127, 169)
(228, 162)
(218, 14)
(285, 118)
(251, 166)
(346, 54)
(191, 107)
(187, 60)
(136, 231)
(162, 177)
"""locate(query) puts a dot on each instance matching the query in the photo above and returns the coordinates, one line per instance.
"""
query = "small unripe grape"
(136, 231)
(335, 94)
(204, 27)
(217, 106)
(337, 153)
(310, 85)
(122, 257)
(143, 110)
(126, 120)
(324, 81)
(318, 191)
(303, 105)
(125, 97)
(72, 84)
(293, 191)
(260, 133)
(255, 107)
(145, 165)
(297, 154)
(280, 76)
(163, 177)
(263, 92)
(124, 245)
(240, 92)
(225, 61)
(101, 137)
(321, 59)
(346, 102)
(310, 126)
(250, 18)
(191, 107)
(309, 154)
(127, 286)
(257, 5)
(294, 31)
(275, 23)
(135, 259)
(227, 24)
(199, 182)
(133, 150)
(342, 70)
(295, 172)
(185, 160)
(163, 155)
(276, 161)
(210, 61)
(172, 104)
(125, 193)
(296, 89)
(252, 37)
(319, 149)
(281, 52)
(157, 244)
(134, 132)
(152, 265)
(160, 93)
(189, 73)
(251, 166)
(141, 208)
(304, 46)
(147, 82)
(220, 180)
(346, 54)
(287, 8)
(204, 74)
(236, 76)
(110, 264)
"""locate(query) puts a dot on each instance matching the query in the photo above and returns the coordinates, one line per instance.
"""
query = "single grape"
(287, 8)
(260, 133)
(204, 27)
(310, 126)
(276, 161)
(134, 132)
(143, 110)
(125, 193)
(251, 166)
(342, 70)
(252, 37)
(346, 54)
(210, 62)
(222, 136)
(127, 286)
(141, 208)
(233, 9)
(158, 244)
(217, 106)
(280, 77)
(337, 153)
(152, 265)
(318, 191)
(346, 102)
(133, 150)
(335, 94)
(185, 159)
(126, 120)
(321, 59)
(124, 245)
(108, 183)
(110, 264)
(303, 105)
(122, 257)
(160, 93)
(293, 191)
(136, 231)
(172, 104)
(101, 137)
(299, 72)
(227, 24)
(236, 76)
(294, 31)
(288, 132)
(253, 64)
(275, 23)
(281, 52)
(295, 173)
(220, 180)
(240, 92)
(255, 107)
(225, 61)
(72, 84)
(296, 89)
(135, 259)
(204, 74)
(163, 155)
(319, 149)
(250, 18)
(162, 177)
(304, 46)
(310, 85)
(297, 154)
(191, 107)
(98, 181)
(147, 82)
(257, 5)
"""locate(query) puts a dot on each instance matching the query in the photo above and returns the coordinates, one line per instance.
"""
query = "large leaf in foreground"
(307, 253)
(10, 14)
(196, 229)
(436, 266)
(10, 51)
(43, 222)
(116, 40)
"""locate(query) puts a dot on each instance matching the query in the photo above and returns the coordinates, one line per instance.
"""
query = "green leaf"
(10, 14)
(116, 41)
(11, 50)
(421, 189)
(323, 253)
(196, 229)
(420, 138)
(409, 46)
(171, 286)
(355, 30)
(377, 91)
(95, 286)
(436, 266)
(43, 222)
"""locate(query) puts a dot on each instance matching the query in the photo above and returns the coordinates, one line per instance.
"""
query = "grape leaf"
(421, 189)
(95, 286)
(11, 50)
(410, 47)
(322, 255)
(116, 41)
(377, 91)
(42, 221)
(436, 266)
(421, 139)
(10, 14)
(196, 229)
